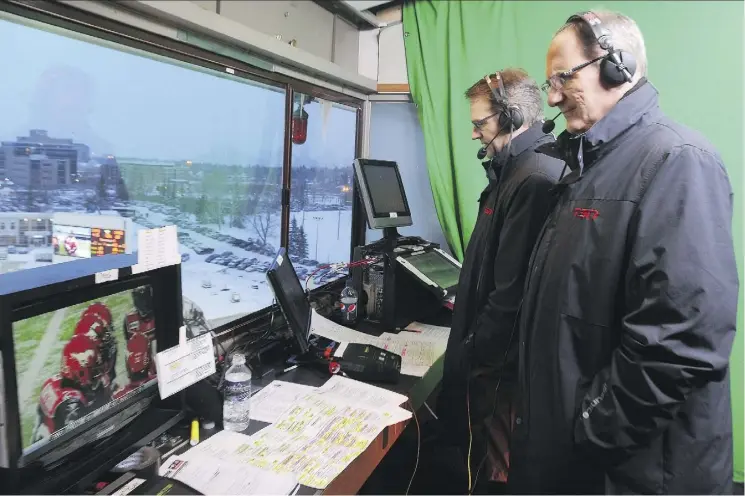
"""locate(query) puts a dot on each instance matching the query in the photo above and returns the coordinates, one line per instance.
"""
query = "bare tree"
(263, 224)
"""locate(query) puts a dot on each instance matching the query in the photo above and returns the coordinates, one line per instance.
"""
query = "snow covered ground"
(224, 294)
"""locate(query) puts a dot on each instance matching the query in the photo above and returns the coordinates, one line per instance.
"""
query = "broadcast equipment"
(359, 361)
(78, 379)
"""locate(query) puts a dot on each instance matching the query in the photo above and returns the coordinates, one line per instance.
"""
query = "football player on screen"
(139, 363)
(96, 323)
(71, 394)
(141, 319)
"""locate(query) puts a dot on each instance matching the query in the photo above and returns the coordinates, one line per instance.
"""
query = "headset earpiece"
(611, 73)
(618, 66)
(511, 119)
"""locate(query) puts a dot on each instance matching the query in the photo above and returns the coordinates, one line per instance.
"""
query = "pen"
(293, 367)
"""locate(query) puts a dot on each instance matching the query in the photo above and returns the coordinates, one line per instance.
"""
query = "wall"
(296, 38)
(395, 134)
(313, 28)
(381, 53)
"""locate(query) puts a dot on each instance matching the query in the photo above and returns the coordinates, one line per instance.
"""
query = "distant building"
(25, 229)
(38, 161)
(110, 170)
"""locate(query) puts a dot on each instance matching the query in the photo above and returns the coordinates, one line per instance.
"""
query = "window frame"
(87, 23)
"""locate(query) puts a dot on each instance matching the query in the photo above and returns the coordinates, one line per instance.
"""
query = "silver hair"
(526, 95)
(624, 32)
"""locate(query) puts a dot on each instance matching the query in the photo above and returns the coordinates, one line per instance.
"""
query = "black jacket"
(512, 210)
(629, 315)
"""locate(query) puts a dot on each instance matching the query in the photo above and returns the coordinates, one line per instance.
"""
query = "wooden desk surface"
(356, 474)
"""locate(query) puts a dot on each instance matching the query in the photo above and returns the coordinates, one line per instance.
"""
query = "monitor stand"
(390, 237)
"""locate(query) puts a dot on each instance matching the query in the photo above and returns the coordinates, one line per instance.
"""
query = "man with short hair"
(630, 305)
(507, 115)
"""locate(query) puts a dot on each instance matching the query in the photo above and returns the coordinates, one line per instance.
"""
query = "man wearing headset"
(630, 305)
(507, 115)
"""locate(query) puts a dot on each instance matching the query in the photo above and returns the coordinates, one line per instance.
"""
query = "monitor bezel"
(380, 220)
(282, 262)
(165, 282)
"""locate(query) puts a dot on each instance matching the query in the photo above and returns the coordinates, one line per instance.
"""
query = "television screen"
(77, 362)
(71, 241)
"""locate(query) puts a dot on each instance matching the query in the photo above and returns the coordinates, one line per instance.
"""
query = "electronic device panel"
(383, 194)
(433, 267)
(291, 297)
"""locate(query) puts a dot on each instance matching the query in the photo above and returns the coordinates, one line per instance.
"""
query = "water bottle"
(349, 304)
(237, 395)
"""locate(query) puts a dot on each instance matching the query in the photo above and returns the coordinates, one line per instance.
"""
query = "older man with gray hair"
(630, 304)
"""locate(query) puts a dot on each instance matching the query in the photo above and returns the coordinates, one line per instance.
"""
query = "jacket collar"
(497, 169)
(638, 101)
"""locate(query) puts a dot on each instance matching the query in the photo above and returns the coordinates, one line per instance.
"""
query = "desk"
(356, 474)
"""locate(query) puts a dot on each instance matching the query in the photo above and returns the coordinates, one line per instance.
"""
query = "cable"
(418, 446)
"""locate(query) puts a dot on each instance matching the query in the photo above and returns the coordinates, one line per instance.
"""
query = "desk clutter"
(419, 345)
(314, 435)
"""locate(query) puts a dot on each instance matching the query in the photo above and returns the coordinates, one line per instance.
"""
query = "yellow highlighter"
(194, 432)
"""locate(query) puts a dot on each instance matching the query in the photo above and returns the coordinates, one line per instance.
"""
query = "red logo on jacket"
(586, 213)
(488, 211)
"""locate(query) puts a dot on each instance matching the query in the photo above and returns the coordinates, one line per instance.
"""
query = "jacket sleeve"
(526, 213)
(680, 309)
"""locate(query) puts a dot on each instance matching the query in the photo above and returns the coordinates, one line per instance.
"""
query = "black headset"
(618, 66)
(510, 116)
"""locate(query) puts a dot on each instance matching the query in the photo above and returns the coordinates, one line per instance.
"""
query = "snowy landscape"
(227, 240)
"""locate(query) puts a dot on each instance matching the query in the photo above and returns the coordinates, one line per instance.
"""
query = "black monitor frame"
(60, 286)
(297, 312)
(388, 221)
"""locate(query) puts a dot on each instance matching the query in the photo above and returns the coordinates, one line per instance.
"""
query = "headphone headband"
(500, 95)
(602, 35)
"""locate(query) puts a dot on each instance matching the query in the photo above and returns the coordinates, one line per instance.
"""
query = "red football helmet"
(138, 353)
(91, 325)
(80, 360)
(100, 310)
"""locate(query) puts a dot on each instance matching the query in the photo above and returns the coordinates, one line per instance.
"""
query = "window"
(323, 150)
(142, 141)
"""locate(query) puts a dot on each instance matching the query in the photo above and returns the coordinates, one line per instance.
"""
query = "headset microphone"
(549, 125)
(482, 151)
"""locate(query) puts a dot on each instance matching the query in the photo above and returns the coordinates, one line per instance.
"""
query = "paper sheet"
(183, 365)
(156, 248)
(361, 393)
(431, 332)
(211, 476)
(321, 326)
(316, 438)
(273, 400)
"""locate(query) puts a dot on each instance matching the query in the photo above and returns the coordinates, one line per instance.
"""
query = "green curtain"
(695, 53)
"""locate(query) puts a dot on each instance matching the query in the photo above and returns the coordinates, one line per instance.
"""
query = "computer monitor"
(383, 194)
(79, 353)
(291, 298)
